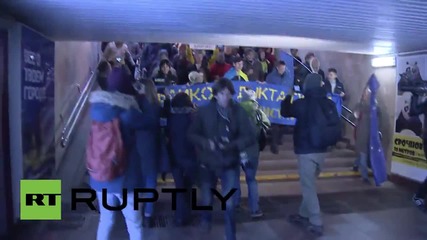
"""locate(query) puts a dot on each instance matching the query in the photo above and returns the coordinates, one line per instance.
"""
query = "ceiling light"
(378, 62)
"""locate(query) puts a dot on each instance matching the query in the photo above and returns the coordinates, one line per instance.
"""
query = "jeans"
(183, 200)
(253, 197)
(150, 181)
(133, 217)
(362, 163)
(208, 179)
(309, 167)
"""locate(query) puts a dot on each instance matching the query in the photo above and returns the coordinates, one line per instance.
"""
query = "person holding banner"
(252, 66)
(221, 132)
(362, 113)
(279, 77)
(164, 76)
(236, 73)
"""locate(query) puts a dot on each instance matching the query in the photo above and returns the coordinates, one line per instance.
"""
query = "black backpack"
(262, 128)
(324, 127)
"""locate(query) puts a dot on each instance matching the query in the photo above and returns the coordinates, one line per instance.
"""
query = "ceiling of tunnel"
(363, 26)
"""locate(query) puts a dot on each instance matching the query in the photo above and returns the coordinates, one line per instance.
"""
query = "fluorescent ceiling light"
(383, 62)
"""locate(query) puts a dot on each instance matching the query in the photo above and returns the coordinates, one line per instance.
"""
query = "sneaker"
(298, 219)
(419, 202)
(257, 214)
(315, 229)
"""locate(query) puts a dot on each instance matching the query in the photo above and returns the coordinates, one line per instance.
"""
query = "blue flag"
(378, 161)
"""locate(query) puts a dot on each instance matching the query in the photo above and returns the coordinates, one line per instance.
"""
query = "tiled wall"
(73, 62)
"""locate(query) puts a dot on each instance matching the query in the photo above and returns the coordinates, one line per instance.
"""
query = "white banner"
(202, 46)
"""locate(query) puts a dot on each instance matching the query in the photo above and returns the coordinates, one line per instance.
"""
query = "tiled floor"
(384, 213)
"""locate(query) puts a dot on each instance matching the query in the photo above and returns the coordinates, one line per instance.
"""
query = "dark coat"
(207, 126)
(339, 88)
(164, 80)
(183, 153)
(148, 139)
(298, 109)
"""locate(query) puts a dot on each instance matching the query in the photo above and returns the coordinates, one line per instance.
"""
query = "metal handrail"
(347, 109)
(75, 114)
(348, 120)
(343, 107)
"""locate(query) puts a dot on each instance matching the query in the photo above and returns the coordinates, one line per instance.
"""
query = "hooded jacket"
(298, 109)
(104, 107)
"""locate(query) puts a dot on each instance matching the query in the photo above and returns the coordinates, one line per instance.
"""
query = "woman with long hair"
(148, 141)
(183, 155)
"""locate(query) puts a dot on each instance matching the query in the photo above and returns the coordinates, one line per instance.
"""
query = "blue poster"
(38, 119)
(269, 97)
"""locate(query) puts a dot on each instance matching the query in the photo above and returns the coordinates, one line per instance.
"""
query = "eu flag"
(378, 161)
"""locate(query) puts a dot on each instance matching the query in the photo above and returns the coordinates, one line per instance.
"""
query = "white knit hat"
(248, 94)
(195, 77)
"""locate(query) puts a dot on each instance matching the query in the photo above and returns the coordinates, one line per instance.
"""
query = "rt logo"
(40, 200)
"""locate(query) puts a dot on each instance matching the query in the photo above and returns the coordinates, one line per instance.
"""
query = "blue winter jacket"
(149, 139)
(283, 80)
(106, 106)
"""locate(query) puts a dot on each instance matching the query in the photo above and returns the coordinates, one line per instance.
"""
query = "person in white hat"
(260, 122)
(195, 78)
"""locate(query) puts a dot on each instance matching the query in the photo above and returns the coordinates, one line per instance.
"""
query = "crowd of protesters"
(198, 145)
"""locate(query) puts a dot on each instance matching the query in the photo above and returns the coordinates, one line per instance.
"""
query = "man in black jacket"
(221, 132)
(333, 85)
(310, 158)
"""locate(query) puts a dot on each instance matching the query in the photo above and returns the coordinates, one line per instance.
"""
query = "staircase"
(284, 166)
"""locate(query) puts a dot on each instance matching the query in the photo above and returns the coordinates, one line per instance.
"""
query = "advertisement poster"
(37, 105)
(408, 157)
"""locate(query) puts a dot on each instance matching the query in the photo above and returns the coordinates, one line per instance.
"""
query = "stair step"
(289, 154)
(292, 171)
(289, 145)
(268, 176)
(292, 164)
